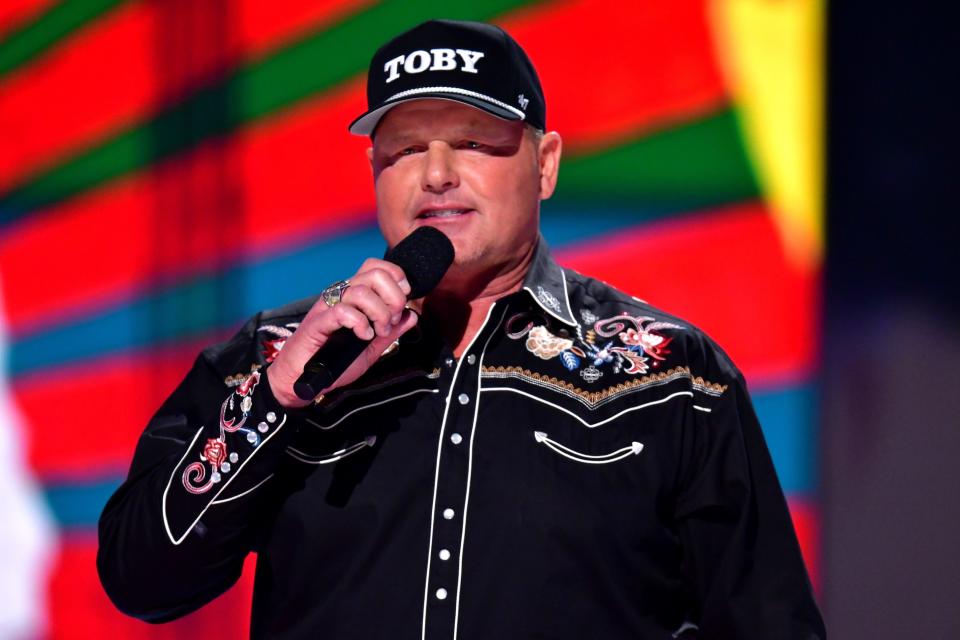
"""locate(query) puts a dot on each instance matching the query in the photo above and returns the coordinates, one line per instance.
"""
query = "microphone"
(424, 255)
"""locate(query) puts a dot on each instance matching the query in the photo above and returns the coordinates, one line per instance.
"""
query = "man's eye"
(408, 151)
(472, 144)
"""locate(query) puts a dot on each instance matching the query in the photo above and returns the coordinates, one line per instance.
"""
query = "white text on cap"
(440, 60)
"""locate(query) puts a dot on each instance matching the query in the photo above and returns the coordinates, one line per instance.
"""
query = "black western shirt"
(589, 468)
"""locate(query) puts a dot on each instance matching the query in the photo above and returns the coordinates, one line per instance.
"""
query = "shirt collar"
(547, 284)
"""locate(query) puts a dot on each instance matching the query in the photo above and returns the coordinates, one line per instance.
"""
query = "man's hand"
(372, 306)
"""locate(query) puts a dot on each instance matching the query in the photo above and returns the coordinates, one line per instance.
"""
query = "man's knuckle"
(357, 291)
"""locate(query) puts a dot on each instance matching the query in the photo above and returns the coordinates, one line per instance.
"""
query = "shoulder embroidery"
(276, 338)
(239, 378)
(634, 346)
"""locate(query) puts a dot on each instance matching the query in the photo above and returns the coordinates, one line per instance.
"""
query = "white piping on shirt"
(633, 449)
(581, 420)
(436, 474)
(240, 495)
(466, 497)
(163, 505)
(372, 404)
(566, 296)
(369, 441)
(686, 626)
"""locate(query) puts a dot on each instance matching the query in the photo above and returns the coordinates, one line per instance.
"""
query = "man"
(538, 455)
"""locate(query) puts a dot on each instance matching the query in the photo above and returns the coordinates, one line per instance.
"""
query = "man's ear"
(370, 158)
(549, 153)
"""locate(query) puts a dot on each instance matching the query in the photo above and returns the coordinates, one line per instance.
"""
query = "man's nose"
(439, 172)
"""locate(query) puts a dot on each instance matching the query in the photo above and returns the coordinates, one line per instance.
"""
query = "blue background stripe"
(216, 302)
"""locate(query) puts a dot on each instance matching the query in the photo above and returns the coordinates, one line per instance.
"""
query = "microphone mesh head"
(424, 255)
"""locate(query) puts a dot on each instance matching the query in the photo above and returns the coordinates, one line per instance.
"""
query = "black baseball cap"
(469, 62)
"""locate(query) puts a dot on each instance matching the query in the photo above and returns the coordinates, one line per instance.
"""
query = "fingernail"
(395, 320)
(404, 285)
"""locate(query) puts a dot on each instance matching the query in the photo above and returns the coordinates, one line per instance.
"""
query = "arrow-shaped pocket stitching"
(369, 441)
(632, 449)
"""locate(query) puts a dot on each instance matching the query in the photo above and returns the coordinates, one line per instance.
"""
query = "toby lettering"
(434, 60)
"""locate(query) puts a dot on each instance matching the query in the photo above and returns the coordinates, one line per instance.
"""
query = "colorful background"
(167, 168)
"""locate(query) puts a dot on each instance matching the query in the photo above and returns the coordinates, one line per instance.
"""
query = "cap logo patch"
(523, 102)
(434, 60)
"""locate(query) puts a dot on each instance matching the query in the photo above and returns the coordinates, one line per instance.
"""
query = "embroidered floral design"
(591, 374)
(633, 348)
(548, 298)
(587, 316)
(652, 343)
(215, 452)
(544, 344)
(271, 347)
(238, 378)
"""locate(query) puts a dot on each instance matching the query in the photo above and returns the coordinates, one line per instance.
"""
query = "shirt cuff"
(229, 457)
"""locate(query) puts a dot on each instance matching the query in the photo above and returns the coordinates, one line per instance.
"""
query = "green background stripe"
(48, 30)
(305, 68)
(697, 164)
(690, 166)
(693, 165)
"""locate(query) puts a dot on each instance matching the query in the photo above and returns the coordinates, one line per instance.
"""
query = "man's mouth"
(444, 213)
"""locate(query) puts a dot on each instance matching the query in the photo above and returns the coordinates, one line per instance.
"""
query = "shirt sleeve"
(742, 561)
(176, 532)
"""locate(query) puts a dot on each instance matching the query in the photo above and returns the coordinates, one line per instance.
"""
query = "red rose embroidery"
(215, 452)
(247, 386)
(271, 348)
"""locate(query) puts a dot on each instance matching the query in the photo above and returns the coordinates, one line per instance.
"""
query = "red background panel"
(121, 69)
(730, 260)
(76, 440)
(611, 71)
(78, 91)
(84, 611)
(16, 13)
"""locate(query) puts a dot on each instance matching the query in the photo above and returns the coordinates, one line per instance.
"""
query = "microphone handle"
(329, 362)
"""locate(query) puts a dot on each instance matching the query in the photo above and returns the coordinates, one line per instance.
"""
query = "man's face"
(477, 178)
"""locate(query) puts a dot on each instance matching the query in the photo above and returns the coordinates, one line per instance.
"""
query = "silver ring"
(333, 294)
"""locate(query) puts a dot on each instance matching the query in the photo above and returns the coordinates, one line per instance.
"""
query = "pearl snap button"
(463, 398)
(448, 514)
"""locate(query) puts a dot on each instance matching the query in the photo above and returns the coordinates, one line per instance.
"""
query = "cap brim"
(365, 124)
